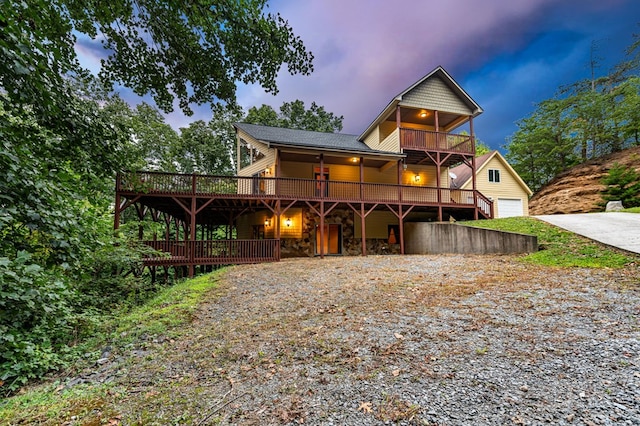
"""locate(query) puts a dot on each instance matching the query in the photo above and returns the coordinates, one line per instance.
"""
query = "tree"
(194, 51)
(294, 115)
(622, 184)
(542, 146)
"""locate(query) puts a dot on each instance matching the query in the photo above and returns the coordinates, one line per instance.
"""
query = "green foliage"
(589, 119)
(63, 138)
(294, 115)
(54, 218)
(164, 314)
(542, 147)
(558, 247)
(34, 319)
(193, 51)
(482, 148)
(622, 184)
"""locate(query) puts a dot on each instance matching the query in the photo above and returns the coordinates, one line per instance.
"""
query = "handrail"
(429, 140)
(292, 189)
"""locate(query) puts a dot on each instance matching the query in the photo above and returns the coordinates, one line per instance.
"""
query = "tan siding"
(243, 229)
(427, 176)
(344, 173)
(377, 224)
(295, 230)
(245, 224)
(373, 139)
(268, 160)
(375, 175)
(507, 188)
(435, 94)
(297, 170)
(386, 128)
(391, 143)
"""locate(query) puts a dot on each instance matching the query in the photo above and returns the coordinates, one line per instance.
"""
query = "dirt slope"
(578, 189)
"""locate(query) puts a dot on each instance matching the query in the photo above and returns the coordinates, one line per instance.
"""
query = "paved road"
(615, 229)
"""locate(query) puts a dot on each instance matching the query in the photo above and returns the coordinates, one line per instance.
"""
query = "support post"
(401, 228)
(116, 216)
(473, 170)
(363, 227)
(192, 233)
(438, 161)
(322, 183)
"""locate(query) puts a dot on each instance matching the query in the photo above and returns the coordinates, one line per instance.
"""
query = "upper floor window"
(249, 154)
(494, 175)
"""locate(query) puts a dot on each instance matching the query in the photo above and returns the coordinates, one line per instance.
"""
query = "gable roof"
(438, 72)
(294, 138)
(463, 172)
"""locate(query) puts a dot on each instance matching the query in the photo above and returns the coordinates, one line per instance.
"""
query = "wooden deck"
(289, 189)
(212, 252)
(190, 204)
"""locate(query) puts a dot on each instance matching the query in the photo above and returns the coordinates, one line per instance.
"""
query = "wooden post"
(398, 117)
(116, 216)
(473, 170)
(401, 228)
(277, 233)
(363, 230)
(438, 183)
(322, 206)
(192, 234)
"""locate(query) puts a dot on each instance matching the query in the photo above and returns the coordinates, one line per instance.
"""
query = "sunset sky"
(507, 54)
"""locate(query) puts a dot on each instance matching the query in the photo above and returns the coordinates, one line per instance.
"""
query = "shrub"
(34, 319)
(623, 184)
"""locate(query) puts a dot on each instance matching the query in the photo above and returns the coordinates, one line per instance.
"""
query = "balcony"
(425, 140)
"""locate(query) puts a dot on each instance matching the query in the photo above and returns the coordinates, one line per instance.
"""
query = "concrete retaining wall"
(436, 238)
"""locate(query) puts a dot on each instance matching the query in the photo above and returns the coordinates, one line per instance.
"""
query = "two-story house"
(302, 193)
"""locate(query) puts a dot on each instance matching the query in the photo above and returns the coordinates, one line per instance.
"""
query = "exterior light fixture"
(287, 222)
(354, 160)
(267, 222)
(416, 178)
(423, 114)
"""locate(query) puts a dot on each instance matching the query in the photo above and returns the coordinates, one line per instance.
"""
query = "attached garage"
(508, 207)
(497, 180)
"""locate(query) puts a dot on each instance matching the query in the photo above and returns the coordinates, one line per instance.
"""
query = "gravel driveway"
(424, 340)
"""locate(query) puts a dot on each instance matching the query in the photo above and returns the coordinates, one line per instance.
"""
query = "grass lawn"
(161, 316)
(558, 247)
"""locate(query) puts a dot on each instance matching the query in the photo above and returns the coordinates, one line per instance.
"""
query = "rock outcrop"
(578, 190)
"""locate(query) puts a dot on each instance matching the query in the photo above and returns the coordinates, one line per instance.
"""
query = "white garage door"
(509, 207)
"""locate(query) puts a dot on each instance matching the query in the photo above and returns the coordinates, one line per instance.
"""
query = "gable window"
(494, 175)
(249, 154)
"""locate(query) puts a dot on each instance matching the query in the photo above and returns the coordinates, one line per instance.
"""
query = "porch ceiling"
(314, 158)
(446, 121)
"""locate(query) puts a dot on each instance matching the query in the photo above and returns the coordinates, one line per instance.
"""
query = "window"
(249, 154)
(494, 175)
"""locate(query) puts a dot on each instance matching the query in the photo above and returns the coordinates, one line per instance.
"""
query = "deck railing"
(208, 252)
(296, 189)
(425, 140)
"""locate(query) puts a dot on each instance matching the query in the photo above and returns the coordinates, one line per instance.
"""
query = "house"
(497, 180)
(301, 193)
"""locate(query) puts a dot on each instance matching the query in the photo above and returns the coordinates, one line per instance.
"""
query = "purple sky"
(507, 54)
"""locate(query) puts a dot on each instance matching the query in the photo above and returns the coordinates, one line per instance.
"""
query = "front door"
(322, 186)
(332, 243)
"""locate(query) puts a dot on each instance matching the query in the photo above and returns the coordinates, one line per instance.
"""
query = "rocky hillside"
(578, 189)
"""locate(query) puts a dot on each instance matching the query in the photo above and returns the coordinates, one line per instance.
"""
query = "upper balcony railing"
(239, 187)
(426, 140)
